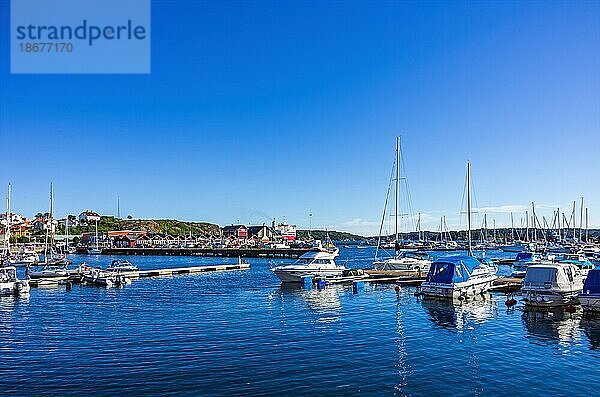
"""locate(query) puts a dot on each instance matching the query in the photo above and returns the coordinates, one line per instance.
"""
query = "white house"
(88, 216)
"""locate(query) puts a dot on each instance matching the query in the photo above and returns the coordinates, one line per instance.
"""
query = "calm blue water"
(241, 333)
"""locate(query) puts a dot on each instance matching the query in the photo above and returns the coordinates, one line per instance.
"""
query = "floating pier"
(185, 270)
(75, 277)
(219, 252)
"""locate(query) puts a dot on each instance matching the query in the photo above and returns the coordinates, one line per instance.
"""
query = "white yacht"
(551, 284)
(317, 262)
(590, 296)
(10, 284)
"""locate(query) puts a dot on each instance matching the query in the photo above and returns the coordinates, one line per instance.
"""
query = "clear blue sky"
(256, 110)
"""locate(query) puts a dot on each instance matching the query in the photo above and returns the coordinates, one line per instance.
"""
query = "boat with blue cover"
(590, 296)
(458, 276)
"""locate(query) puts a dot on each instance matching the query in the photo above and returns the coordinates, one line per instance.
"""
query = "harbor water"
(243, 333)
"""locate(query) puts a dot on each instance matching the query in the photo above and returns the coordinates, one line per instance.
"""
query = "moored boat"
(551, 284)
(10, 284)
(460, 276)
(318, 262)
(121, 265)
(580, 260)
(590, 296)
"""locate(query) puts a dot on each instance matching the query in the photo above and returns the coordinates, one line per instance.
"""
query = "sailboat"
(97, 250)
(54, 265)
(402, 259)
(460, 276)
(5, 255)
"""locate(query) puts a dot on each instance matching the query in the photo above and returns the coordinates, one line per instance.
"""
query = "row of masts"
(538, 231)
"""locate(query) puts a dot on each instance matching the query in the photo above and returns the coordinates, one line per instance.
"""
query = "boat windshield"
(540, 276)
(441, 272)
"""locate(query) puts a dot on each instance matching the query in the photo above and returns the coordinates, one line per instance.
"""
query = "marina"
(292, 199)
(260, 315)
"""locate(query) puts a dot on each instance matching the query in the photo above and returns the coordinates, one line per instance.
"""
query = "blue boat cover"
(592, 282)
(452, 269)
(524, 256)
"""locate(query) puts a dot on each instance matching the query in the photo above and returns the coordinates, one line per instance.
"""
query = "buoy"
(397, 288)
(570, 309)
(510, 302)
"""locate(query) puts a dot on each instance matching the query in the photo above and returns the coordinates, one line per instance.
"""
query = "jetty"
(76, 277)
(184, 270)
(216, 252)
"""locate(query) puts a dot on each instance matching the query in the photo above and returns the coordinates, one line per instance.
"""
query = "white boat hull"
(549, 298)
(400, 264)
(457, 290)
(296, 275)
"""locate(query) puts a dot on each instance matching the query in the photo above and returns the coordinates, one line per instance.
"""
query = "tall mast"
(559, 220)
(7, 232)
(512, 227)
(581, 220)
(574, 221)
(96, 233)
(48, 227)
(534, 219)
(397, 191)
(586, 225)
(527, 226)
(469, 206)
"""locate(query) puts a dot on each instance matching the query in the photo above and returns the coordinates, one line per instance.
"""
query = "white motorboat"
(317, 262)
(10, 284)
(101, 278)
(405, 260)
(551, 284)
(590, 296)
(121, 265)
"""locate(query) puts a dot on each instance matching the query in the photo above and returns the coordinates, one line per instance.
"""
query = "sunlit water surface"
(242, 333)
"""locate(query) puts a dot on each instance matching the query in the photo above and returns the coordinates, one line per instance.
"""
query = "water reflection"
(458, 315)
(550, 325)
(324, 302)
(590, 325)
(403, 365)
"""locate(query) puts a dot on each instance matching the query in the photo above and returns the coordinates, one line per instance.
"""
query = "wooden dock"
(217, 252)
(507, 285)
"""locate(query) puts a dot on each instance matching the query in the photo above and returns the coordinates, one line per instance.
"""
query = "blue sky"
(261, 110)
